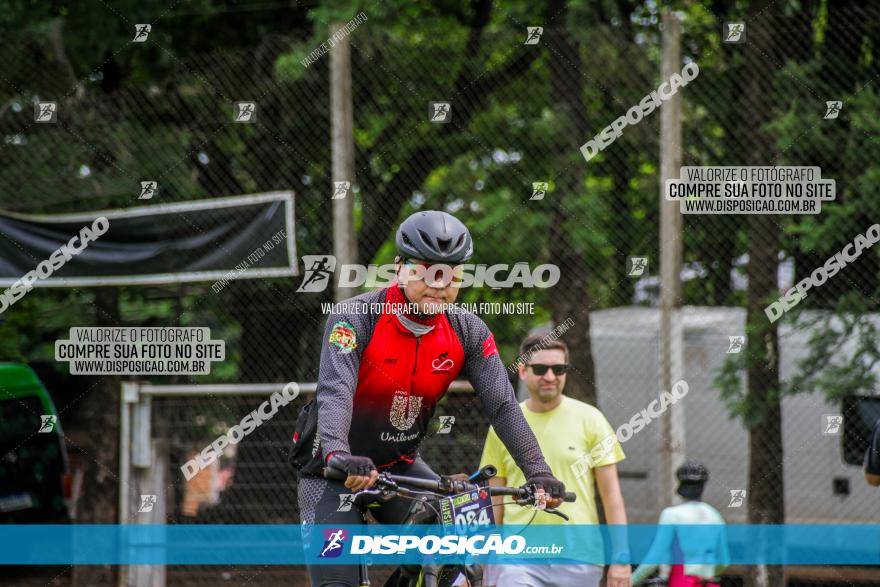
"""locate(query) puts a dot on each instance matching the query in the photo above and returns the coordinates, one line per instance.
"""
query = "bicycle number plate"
(467, 511)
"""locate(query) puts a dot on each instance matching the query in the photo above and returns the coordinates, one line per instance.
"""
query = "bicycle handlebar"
(522, 493)
(444, 485)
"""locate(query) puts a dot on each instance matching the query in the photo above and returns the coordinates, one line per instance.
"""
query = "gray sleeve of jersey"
(337, 382)
(490, 381)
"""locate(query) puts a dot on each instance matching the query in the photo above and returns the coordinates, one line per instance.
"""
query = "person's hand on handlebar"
(361, 471)
(552, 486)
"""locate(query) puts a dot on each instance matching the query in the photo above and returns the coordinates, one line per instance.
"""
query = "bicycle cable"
(529, 523)
(422, 501)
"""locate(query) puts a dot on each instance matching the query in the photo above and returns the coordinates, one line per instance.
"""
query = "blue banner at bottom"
(382, 544)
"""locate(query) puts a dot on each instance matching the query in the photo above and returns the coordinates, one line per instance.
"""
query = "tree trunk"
(100, 492)
(766, 490)
(570, 298)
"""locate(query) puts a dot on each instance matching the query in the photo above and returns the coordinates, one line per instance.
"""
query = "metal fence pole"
(344, 243)
(129, 396)
(671, 335)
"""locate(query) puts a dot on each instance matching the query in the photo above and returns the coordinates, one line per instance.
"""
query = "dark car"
(35, 477)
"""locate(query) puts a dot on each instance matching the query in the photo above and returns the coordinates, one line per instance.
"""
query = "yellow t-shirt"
(575, 438)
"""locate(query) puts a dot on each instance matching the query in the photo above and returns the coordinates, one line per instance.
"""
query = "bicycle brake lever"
(557, 513)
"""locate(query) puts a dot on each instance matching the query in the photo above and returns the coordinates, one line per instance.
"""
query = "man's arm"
(615, 514)
(612, 497)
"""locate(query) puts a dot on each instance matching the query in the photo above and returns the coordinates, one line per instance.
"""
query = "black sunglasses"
(540, 369)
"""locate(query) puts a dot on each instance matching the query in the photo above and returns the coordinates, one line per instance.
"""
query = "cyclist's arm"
(485, 371)
(723, 551)
(497, 508)
(660, 549)
(337, 381)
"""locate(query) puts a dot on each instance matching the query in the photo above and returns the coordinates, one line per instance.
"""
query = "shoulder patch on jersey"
(489, 347)
(344, 337)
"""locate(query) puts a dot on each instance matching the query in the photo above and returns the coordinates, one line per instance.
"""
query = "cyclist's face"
(428, 286)
(548, 386)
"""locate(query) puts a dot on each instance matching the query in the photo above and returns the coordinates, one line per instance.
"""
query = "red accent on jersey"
(489, 347)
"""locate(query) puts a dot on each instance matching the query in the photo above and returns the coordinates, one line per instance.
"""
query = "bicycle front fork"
(365, 575)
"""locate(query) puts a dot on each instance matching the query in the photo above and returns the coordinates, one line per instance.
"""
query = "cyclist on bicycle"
(692, 477)
(382, 373)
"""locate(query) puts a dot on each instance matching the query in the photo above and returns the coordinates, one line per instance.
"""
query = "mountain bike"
(427, 495)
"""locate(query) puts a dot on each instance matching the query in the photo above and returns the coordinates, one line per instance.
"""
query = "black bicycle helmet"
(436, 237)
(692, 471)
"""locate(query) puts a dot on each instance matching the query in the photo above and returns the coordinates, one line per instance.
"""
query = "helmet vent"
(443, 244)
(459, 241)
(407, 240)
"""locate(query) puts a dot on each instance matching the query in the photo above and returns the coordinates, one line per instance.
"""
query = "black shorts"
(318, 504)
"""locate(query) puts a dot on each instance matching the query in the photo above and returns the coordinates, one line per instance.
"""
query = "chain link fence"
(518, 113)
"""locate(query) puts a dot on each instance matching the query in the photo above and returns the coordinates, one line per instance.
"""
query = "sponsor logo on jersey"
(343, 336)
(399, 437)
(442, 364)
(404, 409)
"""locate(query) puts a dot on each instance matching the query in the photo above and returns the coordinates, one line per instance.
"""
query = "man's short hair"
(541, 342)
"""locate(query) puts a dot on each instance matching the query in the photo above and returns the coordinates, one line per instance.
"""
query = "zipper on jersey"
(416, 362)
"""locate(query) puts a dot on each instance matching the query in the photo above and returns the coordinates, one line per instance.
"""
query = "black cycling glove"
(551, 485)
(352, 465)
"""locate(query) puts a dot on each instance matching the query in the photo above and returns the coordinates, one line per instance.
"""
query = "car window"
(19, 418)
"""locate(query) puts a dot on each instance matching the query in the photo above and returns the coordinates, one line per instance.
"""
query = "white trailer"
(820, 487)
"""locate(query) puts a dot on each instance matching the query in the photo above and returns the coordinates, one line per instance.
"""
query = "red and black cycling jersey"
(379, 383)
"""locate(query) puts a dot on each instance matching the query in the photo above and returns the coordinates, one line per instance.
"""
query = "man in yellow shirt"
(580, 447)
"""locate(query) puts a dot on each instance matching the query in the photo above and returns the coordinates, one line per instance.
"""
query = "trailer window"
(859, 416)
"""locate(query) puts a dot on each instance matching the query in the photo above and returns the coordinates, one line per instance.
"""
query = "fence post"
(142, 471)
(672, 436)
(129, 394)
(341, 108)
(152, 481)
